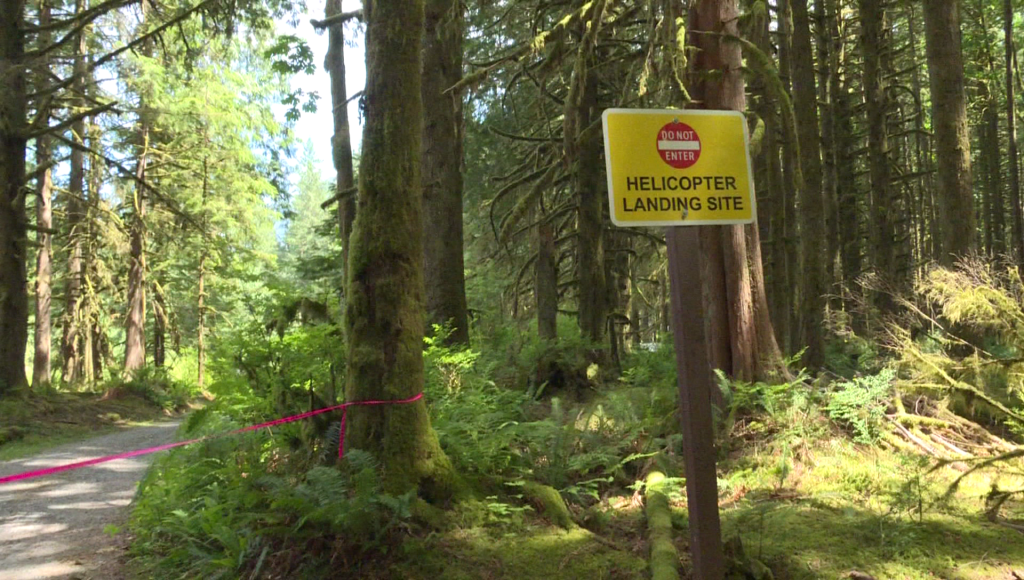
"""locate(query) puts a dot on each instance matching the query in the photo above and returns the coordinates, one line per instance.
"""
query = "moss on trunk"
(384, 313)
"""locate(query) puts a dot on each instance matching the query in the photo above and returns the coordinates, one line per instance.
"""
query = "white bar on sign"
(679, 145)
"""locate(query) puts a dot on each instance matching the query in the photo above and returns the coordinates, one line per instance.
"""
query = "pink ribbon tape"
(341, 439)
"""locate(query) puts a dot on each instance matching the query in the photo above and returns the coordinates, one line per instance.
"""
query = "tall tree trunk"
(922, 163)
(13, 218)
(384, 310)
(872, 23)
(135, 320)
(444, 268)
(545, 286)
(583, 146)
(44, 223)
(748, 326)
(812, 210)
(159, 325)
(949, 120)
(1016, 211)
(341, 141)
(788, 324)
(827, 116)
(71, 333)
(995, 206)
(848, 218)
(201, 330)
(135, 331)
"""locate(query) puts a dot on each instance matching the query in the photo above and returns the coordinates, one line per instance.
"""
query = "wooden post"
(695, 384)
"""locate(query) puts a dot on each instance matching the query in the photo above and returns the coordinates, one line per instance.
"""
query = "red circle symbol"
(678, 145)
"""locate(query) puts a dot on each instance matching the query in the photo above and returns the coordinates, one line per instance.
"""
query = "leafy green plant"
(156, 386)
(860, 404)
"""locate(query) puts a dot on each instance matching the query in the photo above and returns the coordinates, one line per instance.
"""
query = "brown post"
(695, 385)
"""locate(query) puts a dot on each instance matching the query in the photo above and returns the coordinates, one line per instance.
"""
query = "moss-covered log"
(664, 557)
(549, 503)
(384, 313)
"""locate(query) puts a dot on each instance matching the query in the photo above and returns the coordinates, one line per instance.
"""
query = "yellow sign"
(678, 168)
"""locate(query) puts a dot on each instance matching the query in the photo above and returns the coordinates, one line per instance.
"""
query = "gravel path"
(52, 527)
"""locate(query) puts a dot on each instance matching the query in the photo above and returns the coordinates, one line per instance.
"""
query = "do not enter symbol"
(678, 145)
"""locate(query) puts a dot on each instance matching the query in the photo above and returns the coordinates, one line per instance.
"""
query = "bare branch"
(337, 19)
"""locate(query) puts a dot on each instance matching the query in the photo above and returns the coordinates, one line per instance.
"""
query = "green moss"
(549, 503)
(664, 557)
(534, 552)
(861, 509)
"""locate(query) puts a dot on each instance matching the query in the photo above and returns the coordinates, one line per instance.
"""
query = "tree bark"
(201, 329)
(444, 268)
(384, 310)
(1016, 211)
(44, 222)
(13, 218)
(72, 331)
(546, 281)
(135, 331)
(159, 325)
(583, 151)
(949, 120)
(341, 141)
(826, 114)
(812, 210)
(787, 288)
(135, 320)
(744, 332)
(872, 18)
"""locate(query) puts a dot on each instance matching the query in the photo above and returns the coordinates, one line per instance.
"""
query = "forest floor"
(65, 525)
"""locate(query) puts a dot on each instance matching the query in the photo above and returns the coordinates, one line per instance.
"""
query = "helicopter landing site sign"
(678, 167)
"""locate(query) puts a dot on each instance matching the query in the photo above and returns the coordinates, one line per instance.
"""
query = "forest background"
(166, 237)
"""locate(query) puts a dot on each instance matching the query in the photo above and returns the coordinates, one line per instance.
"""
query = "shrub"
(156, 386)
(237, 507)
(860, 404)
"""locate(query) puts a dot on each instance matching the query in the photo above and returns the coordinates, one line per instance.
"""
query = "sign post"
(675, 169)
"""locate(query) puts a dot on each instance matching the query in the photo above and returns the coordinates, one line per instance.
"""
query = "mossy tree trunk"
(1016, 213)
(44, 222)
(135, 320)
(582, 144)
(72, 326)
(384, 310)
(872, 18)
(341, 142)
(13, 219)
(545, 288)
(444, 266)
(949, 121)
(812, 208)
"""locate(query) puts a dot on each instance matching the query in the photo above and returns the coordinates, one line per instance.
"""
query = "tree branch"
(336, 19)
(70, 121)
(183, 15)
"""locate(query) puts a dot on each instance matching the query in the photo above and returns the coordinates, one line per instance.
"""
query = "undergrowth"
(817, 475)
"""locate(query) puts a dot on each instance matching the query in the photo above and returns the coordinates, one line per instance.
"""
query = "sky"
(318, 127)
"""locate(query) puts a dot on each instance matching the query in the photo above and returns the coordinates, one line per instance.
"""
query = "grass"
(39, 421)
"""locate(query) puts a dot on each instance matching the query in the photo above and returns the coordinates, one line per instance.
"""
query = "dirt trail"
(52, 527)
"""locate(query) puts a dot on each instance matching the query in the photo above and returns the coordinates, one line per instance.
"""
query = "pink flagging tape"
(341, 439)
